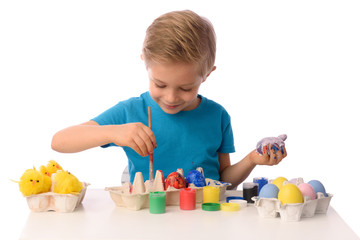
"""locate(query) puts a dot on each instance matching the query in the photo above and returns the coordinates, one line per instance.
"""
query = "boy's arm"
(90, 134)
(237, 173)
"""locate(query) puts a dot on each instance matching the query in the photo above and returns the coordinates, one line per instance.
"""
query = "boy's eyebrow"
(157, 80)
(161, 82)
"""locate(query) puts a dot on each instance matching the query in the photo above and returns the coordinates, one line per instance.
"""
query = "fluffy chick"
(31, 182)
(52, 167)
(47, 179)
(64, 182)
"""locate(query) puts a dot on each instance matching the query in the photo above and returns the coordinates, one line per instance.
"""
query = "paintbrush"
(151, 160)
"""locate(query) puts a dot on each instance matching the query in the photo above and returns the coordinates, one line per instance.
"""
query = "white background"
(282, 67)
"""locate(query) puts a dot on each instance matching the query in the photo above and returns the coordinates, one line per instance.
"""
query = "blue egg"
(269, 191)
(195, 177)
(318, 187)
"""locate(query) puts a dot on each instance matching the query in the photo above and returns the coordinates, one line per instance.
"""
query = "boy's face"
(174, 86)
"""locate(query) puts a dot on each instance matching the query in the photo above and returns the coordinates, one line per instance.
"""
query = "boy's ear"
(142, 57)
(207, 75)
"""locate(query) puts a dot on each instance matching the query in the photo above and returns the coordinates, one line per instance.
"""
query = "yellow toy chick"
(64, 182)
(32, 182)
(47, 179)
(44, 171)
(52, 167)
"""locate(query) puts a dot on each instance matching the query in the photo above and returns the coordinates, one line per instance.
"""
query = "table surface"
(98, 218)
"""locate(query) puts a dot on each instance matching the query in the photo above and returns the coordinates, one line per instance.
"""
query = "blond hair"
(181, 36)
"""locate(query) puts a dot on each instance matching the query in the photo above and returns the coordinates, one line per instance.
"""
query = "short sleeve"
(227, 144)
(113, 116)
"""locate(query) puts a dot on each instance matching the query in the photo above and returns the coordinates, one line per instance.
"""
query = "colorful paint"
(276, 144)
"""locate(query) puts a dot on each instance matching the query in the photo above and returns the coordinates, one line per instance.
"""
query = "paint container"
(230, 207)
(187, 199)
(157, 202)
(211, 194)
(250, 190)
(261, 181)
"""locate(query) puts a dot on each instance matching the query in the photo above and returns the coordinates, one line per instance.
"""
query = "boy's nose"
(172, 97)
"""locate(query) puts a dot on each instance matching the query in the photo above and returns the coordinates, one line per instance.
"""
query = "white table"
(99, 218)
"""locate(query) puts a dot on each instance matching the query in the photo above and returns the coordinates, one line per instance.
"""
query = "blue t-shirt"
(187, 140)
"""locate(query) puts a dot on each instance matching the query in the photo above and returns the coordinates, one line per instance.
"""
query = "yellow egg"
(290, 193)
(279, 182)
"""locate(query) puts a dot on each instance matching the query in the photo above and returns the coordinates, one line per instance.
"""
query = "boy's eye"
(160, 86)
(186, 90)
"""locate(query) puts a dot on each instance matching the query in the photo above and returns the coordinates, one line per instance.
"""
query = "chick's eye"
(53, 165)
(31, 180)
(37, 181)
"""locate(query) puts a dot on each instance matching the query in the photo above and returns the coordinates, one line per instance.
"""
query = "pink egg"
(307, 190)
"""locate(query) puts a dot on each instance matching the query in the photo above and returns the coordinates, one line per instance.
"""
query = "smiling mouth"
(171, 106)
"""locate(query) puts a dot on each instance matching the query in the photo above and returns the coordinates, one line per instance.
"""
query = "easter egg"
(318, 187)
(269, 191)
(290, 193)
(175, 180)
(279, 182)
(307, 190)
(195, 177)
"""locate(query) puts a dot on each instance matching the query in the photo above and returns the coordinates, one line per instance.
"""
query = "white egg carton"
(136, 196)
(57, 202)
(272, 207)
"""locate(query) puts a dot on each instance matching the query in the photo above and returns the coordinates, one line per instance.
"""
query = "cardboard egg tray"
(51, 201)
(272, 207)
(136, 196)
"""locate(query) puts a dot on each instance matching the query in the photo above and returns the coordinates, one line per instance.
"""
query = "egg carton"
(136, 196)
(272, 207)
(57, 202)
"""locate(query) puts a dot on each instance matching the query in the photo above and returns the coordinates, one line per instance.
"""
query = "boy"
(188, 130)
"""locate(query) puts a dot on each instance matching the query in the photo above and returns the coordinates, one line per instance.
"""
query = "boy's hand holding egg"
(269, 151)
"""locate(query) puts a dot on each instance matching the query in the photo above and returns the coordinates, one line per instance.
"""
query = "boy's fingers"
(148, 140)
(140, 144)
(283, 149)
(273, 155)
(278, 153)
(279, 157)
(136, 148)
(151, 135)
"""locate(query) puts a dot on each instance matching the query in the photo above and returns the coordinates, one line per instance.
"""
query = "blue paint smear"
(282, 149)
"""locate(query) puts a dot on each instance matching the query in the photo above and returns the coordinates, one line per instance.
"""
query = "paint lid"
(230, 207)
(242, 203)
(210, 206)
(233, 198)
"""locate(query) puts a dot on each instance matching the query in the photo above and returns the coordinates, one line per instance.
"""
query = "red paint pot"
(187, 199)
